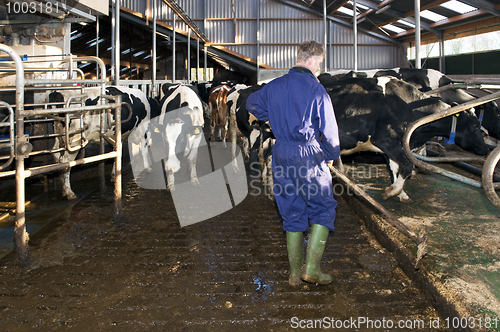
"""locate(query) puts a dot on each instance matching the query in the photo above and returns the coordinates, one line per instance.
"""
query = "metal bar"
(66, 110)
(258, 41)
(117, 42)
(21, 236)
(433, 117)
(11, 131)
(153, 58)
(462, 86)
(54, 167)
(198, 60)
(355, 32)
(118, 163)
(189, 55)
(417, 35)
(421, 240)
(173, 50)
(325, 29)
(487, 177)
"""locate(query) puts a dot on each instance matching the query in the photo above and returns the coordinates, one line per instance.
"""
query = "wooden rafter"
(335, 8)
(410, 13)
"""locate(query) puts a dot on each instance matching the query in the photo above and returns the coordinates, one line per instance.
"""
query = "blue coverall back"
(302, 119)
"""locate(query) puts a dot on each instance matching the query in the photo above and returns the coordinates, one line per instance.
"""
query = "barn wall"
(282, 28)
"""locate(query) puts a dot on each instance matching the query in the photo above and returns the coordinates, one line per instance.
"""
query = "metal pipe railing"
(453, 86)
(433, 117)
(21, 148)
(10, 145)
(487, 177)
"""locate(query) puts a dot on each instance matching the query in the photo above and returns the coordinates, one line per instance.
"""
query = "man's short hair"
(309, 48)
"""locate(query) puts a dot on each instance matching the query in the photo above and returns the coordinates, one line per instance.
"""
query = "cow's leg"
(224, 132)
(170, 180)
(396, 189)
(192, 156)
(62, 157)
(233, 128)
(212, 110)
(399, 165)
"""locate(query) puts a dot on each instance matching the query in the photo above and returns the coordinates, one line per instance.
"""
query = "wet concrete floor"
(229, 273)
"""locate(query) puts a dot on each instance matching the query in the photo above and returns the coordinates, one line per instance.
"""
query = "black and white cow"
(371, 116)
(181, 126)
(430, 79)
(142, 110)
(245, 124)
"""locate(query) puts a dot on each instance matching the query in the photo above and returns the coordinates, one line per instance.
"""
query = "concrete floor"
(228, 273)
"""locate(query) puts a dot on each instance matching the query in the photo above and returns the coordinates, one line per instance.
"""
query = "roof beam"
(484, 5)
(338, 21)
(409, 16)
(459, 18)
(337, 6)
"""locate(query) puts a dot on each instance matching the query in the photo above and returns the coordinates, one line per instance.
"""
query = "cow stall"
(489, 165)
(41, 74)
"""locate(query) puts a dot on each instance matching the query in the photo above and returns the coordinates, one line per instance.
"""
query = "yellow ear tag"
(197, 131)
(157, 130)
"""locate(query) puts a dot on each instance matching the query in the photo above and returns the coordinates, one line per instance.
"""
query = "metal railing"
(21, 148)
(489, 165)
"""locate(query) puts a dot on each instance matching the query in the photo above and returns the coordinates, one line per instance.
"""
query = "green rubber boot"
(294, 242)
(312, 269)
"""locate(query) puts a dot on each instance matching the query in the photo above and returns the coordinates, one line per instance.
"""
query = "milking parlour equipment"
(487, 177)
(33, 74)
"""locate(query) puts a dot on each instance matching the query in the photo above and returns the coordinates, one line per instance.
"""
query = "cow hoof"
(70, 196)
(195, 182)
(404, 198)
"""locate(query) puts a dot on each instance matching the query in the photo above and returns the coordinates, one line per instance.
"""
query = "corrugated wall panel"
(290, 31)
(274, 9)
(219, 9)
(288, 27)
(220, 31)
(249, 50)
(369, 57)
(193, 8)
(246, 31)
(278, 56)
(137, 6)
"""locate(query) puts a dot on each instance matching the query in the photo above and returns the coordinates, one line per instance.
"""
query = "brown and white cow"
(219, 113)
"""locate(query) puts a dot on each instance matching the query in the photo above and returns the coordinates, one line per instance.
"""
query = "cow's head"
(491, 118)
(469, 135)
(177, 129)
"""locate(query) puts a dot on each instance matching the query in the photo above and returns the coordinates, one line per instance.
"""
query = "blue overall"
(301, 116)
